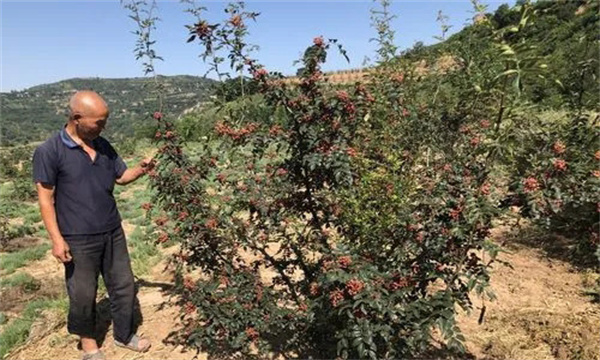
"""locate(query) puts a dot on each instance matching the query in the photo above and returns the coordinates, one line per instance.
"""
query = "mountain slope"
(34, 113)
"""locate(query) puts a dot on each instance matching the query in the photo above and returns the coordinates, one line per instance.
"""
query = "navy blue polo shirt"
(83, 195)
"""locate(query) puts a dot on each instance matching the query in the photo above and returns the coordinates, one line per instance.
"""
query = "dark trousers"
(104, 253)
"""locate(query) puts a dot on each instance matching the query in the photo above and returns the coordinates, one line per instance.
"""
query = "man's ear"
(76, 116)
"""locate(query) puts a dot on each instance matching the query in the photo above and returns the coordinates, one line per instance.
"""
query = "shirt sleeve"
(120, 167)
(45, 167)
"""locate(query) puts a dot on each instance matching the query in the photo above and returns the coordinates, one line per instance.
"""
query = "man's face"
(90, 124)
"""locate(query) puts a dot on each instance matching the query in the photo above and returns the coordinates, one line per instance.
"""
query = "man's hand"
(148, 164)
(133, 174)
(61, 251)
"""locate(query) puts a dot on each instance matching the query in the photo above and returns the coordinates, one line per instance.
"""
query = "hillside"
(34, 113)
(565, 34)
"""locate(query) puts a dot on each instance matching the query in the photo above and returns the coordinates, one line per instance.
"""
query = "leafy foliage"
(352, 221)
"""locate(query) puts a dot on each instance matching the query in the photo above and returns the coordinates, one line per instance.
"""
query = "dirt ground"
(540, 313)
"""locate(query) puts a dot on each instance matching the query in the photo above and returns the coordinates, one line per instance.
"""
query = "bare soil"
(540, 313)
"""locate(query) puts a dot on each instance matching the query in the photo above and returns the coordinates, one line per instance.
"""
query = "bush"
(555, 176)
(340, 222)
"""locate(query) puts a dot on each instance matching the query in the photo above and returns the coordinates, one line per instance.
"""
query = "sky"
(48, 41)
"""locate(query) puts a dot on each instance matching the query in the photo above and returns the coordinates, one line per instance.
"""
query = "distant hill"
(35, 113)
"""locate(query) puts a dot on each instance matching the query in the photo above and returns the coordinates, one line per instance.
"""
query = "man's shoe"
(134, 344)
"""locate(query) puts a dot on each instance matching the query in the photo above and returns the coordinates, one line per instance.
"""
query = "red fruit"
(281, 172)
(559, 164)
(146, 206)
(351, 151)
(275, 130)
(327, 265)
(202, 29)
(399, 78)
(344, 261)
(189, 284)
(559, 147)
(252, 333)
(485, 189)
(335, 125)
(182, 216)
(236, 21)
(161, 221)
(354, 287)
(335, 297)
(313, 289)
(389, 189)
(224, 280)
(163, 237)
(157, 115)
(260, 73)
(531, 184)
(485, 124)
(420, 236)
(259, 293)
(318, 41)
(342, 95)
(157, 135)
(189, 307)
(596, 173)
(211, 223)
(399, 283)
(185, 179)
(597, 155)
(455, 213)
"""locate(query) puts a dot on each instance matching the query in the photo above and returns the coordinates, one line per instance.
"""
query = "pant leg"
(81, 276)
(118, 276)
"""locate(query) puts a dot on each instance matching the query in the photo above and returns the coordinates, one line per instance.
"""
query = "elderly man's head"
(88, 113)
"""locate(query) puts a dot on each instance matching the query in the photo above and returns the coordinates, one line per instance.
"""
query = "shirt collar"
(66, 139)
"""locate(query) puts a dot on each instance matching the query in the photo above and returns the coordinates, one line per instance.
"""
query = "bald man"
(75, 172)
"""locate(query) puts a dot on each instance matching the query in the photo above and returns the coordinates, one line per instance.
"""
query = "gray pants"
(104, 253)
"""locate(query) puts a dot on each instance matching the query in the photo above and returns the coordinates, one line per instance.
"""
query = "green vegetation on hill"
(564, 37)
(35, 113)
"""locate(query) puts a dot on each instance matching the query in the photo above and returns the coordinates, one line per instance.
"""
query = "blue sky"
(48, 41)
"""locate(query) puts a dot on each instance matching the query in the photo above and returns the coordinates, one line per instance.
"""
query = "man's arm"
(60, 248)
(131, 175)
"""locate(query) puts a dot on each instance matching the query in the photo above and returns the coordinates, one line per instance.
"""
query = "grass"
(144, 254)
(33, 215)
(17, 331)
(23, 280)
(12, 261)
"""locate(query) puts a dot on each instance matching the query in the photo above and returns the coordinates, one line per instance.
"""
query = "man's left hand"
(147, 164)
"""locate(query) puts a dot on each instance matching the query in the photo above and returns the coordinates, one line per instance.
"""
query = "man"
(75, 172)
